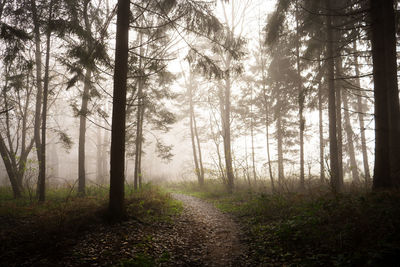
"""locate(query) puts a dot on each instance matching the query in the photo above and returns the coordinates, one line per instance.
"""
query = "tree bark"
(301, 98)
(321, 130)
(196, 134)
(39, 93)
(252, 138)
(84, 109)
(227, 137)
(17, 188)
(41, 185)
(82, 134)
(333, 144)
(338, 100)
(117, 177)
(360, 108)
(281, 174)
(387, 113)
(140, 106)
(195, 160)
(350, 143)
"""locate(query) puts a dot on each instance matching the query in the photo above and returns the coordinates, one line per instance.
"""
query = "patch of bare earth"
(222, 234)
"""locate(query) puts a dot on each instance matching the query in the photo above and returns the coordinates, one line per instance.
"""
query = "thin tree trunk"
(252, 138)
(224, 99)
(83, 111)
(42, 161)
(321, 130)
(350, 135)
(220, 166)
(339, 131)
(227, 136)
(192, 138)
(117, 177)
(360, 108)
(268, 150)
(246, 171)
(137, 142)
(266, 110)
(99, 151)
(38, 61)
(281, 174)
(141, 144)
(196, 134)
(17, 188)
(333, 145)
(105, 164)
(138, 174)
(301, 99)
(82, 134)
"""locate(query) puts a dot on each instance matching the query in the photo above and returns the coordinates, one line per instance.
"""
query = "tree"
(386, 93)
(117, 176)
(17, 92)
(360, 110)
(89, 24)
(191, 85)
(43, 89)
(333, 144)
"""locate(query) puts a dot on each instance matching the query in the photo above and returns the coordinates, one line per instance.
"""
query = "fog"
(178, 77)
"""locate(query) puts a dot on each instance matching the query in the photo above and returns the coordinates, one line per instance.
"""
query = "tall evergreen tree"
(117, 172)
(387, 112)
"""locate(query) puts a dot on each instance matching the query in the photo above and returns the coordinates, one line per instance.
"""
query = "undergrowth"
(315, 228)
(30, 228)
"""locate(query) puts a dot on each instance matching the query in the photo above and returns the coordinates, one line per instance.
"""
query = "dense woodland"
(268, 98)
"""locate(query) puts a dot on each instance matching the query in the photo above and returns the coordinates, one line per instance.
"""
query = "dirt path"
(200, 236)
(222, 240)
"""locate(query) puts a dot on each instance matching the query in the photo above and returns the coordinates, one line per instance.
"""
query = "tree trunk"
(196, 134)
(117, 177)
(105, 163)
(227, 135)
(338, 93)
(17, 188)
(266, 111)
(138, 141)
(83, 111)
(387, 113)
(224, 98)
(38, 63)
(333, 145)
(268, 150)
(41, 185)
(281, 174)
(195, 160)
(141, 144)
(360, 108)
(192, 134)
(82, 134)
(321, 131)
(301, 98)
(99, 152)
(350, 135)
(252, 139)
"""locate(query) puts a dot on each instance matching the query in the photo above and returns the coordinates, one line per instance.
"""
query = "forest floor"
(195, 233)
(192, 226)
(200, 235)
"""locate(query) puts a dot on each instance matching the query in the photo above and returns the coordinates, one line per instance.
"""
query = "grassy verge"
(30, 229)
(313, 229)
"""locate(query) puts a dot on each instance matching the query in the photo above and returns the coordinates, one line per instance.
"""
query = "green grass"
(29, 226)
(313, 228)
(152, 204)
